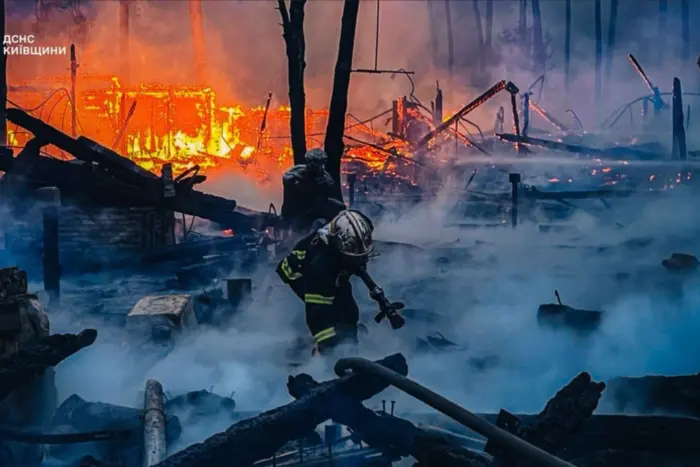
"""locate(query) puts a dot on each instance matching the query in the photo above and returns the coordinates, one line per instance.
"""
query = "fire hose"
(459, 414)
(387, 309)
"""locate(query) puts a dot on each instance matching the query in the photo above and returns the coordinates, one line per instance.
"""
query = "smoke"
(486, 284)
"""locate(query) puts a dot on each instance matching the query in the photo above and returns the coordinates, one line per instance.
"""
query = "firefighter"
(318, 270)
(309, 193)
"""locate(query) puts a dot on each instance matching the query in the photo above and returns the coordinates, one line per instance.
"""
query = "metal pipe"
(472, 421)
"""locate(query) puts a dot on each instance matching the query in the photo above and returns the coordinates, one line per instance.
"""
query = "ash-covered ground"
(485, 285)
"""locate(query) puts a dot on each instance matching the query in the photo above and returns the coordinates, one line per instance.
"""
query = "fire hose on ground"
(461, 415)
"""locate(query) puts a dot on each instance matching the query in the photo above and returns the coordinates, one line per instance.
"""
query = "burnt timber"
(101, 174)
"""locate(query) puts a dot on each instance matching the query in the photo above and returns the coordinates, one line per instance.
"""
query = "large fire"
(183, 125)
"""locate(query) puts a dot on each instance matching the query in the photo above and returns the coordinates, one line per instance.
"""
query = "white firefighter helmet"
(351, 232)
(316, 157)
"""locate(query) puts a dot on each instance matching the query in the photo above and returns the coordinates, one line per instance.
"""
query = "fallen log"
(679, 395)
(614, 152)
(533, 193)
(561, 419)
(391, 435)
(261, 436)
(35, 356)
(476, 103)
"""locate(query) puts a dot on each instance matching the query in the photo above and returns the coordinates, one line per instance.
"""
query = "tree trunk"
(432, 21)
(450, 38)
(489, 25)
(198, 44)
(335, 129)
(293, 33)
(567, 46)
(661, 41)
(612, 25)
(685, 30)
(540, 55)
(479, 35)
(598, 52)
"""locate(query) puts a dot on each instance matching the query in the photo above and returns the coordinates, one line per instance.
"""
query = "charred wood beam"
(35, 356)
(295, 43)
(260, 437)
(81, 148)
(613, 153)
(659, 103)
(335, 129)
(652, 394)
(533, 193)
(495, 89)
(562, 417)
(391, 435)
(547, 116)
(514, 445)
(118, 178)
(154, 440)
(602, 432)
(680, 150)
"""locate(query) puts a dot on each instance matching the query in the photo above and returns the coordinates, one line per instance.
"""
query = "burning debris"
(107, 183)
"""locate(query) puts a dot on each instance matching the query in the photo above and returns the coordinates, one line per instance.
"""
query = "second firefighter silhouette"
(309, 192)
(318, 270)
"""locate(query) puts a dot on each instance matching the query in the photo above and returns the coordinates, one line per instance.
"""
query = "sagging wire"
(617, 113)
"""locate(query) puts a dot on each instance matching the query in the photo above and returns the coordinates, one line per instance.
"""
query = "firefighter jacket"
(315, 273)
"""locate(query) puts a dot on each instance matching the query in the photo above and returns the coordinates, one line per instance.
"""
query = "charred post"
(335, 129)
(612, 26)
(260, 437)
(154, 441)
(3, 84)
(198, 44)
(598, 53)
(680, 150)
(540, 54)
(295, 44)
(124, 39)
(50, 197)
(514, 180)
(73, 78)
(437, 117)
(526, 113)
(567, 46)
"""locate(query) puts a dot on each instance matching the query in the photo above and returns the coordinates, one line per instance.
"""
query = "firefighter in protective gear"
(318, 270)
(309, 192)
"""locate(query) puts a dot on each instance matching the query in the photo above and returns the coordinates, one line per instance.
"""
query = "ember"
(186, 126)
